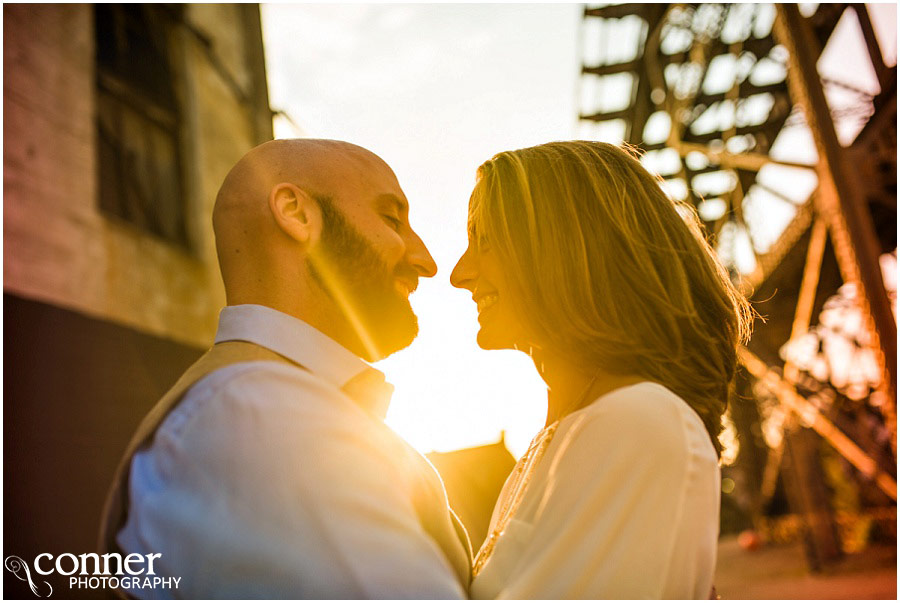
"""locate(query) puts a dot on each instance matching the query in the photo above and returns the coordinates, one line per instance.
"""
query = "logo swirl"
(21, 571)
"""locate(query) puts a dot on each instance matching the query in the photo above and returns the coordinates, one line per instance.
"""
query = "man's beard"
(352, 273)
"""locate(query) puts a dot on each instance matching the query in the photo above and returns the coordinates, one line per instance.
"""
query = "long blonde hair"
(610, 273)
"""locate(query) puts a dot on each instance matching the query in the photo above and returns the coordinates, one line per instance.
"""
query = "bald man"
(267, 470)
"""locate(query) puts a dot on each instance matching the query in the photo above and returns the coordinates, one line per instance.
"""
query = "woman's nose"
(465, 271)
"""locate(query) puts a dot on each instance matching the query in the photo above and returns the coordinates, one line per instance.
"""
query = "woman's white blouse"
(624, 504)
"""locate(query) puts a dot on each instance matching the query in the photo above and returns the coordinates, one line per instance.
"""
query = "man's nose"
(464, 273)
(420, 258)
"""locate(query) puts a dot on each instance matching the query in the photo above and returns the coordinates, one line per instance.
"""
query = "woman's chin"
(491, 341)
(484, 341)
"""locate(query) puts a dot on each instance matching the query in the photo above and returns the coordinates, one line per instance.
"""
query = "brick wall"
(58, 247)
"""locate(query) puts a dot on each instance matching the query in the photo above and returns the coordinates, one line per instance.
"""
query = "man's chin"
(394, 329)
(391, 340)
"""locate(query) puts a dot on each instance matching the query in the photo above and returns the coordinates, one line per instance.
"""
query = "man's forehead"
(378, 189)
(373, 180)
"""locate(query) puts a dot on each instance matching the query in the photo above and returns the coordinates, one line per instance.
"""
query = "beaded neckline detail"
(522, 474)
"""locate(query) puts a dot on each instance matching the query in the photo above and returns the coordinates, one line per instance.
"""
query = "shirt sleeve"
(630, 510)
(275, 486)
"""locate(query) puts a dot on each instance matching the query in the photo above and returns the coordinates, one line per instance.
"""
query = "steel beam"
(839, 202)
(865, 24)
(811, 416)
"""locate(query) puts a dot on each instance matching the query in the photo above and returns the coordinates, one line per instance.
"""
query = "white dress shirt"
(268, 481)
(624, 504)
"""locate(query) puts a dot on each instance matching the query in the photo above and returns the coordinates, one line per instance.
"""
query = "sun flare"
(448, 393)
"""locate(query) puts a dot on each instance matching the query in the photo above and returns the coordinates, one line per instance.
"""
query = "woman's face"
(500, 316)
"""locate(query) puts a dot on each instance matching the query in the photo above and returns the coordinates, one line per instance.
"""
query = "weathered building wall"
(59, 247)
(101, 315)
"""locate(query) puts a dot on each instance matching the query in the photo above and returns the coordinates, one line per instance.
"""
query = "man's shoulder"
(270, 381)
(262, 414)
(250, 375)
(259, 395)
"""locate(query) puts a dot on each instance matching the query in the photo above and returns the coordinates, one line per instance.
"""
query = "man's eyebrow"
(390, 198)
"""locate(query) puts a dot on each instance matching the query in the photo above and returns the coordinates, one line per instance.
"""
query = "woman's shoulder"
(647, 414)
(645, 400)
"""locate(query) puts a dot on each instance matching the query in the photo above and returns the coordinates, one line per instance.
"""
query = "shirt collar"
(293, 339)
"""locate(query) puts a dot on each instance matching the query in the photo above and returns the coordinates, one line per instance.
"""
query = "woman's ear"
(296, 212)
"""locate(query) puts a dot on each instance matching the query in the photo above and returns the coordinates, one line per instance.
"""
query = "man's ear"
(296, 212)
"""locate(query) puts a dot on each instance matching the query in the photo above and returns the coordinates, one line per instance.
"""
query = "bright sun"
(449, 394)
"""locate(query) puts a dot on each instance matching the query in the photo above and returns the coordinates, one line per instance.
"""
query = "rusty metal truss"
(725, 81)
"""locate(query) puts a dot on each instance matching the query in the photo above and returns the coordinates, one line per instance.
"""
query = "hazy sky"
(436, 90)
